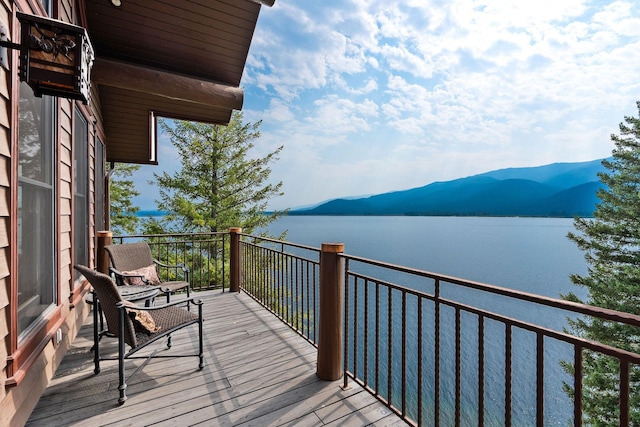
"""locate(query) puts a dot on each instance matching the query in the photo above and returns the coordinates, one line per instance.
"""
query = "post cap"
(235, 230)
(334, 248)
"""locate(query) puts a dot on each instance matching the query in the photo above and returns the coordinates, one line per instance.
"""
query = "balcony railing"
(206, 255)
(441, 350)
(437, 350)
(284, 278)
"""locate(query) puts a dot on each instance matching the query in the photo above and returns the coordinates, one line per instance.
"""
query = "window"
(37, 286)
(99, 185)
(48, 6)
(80, 181)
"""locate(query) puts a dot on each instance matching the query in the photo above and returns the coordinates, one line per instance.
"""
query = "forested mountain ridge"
(558, 190)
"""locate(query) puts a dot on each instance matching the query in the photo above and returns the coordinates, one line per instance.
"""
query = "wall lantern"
(55, 57)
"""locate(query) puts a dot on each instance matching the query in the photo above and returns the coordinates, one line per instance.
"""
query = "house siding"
(65, 215)
(19, 393)
(5, 159)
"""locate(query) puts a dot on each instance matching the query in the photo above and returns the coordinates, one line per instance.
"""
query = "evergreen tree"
(611, 241)
(122, 212)
(219, 185)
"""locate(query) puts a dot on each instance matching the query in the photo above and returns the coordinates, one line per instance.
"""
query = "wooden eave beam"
(265, 2)
(165, 84)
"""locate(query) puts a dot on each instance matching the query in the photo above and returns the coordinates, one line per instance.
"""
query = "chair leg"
(96, 336)
(169, 341)
(201, 344)
(186, 279)
(122, 386)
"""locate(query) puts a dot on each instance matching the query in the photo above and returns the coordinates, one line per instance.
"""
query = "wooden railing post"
(234, 258)
(105, 238)
(329, 366)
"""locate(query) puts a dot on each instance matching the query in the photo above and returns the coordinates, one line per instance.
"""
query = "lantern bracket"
(4, 45)
(9, 45)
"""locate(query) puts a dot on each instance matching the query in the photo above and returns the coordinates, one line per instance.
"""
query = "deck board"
(258, 372)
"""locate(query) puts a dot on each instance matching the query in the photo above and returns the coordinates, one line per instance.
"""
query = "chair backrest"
(109, 296)
(130, 256)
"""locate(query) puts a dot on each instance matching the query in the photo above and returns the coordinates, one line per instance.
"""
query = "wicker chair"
(128, 257)
(121, 323)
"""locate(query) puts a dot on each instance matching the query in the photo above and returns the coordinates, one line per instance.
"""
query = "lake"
(528, 254)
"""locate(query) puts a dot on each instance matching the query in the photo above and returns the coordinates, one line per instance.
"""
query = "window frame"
(49, 132)
(80, 185)
(26, 347)
(100, 174)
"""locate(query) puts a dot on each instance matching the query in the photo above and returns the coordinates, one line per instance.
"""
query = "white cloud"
(279, 111)
(342, 116)
(369, 86)
(462, 85)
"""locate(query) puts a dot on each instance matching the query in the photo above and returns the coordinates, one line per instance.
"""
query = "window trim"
(23, 358)
(99, 179)
(78, 112)
(51, 176)
(23, 353)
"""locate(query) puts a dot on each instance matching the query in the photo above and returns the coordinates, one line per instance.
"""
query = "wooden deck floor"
(258, 372)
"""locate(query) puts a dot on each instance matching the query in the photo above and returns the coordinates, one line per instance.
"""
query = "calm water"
(529, 254)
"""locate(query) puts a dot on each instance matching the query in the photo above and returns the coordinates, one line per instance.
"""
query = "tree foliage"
(219, 184)
(611, 242)
(122, 190)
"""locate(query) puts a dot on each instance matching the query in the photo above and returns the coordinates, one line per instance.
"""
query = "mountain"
(559, 190)
(314, 205)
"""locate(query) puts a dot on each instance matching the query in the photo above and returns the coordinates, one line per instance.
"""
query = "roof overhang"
(177, 59)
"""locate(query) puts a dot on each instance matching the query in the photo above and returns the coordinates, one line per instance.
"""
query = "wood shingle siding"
(5, 160)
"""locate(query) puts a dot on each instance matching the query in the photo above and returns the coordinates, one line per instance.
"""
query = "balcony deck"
(258, 372)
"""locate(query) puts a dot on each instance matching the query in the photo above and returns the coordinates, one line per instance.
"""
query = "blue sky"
(369, 97)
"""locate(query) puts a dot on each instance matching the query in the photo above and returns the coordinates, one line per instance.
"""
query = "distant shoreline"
(147, 213)
(153, 213)
(298, 213)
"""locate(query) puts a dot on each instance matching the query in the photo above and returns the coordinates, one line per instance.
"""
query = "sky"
(369, 97)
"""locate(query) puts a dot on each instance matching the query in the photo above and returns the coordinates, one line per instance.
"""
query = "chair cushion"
(149, 273)
(142, 319)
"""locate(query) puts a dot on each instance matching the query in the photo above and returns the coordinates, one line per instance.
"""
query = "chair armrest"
(132, 293)
(184, 267)
(196, 301)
